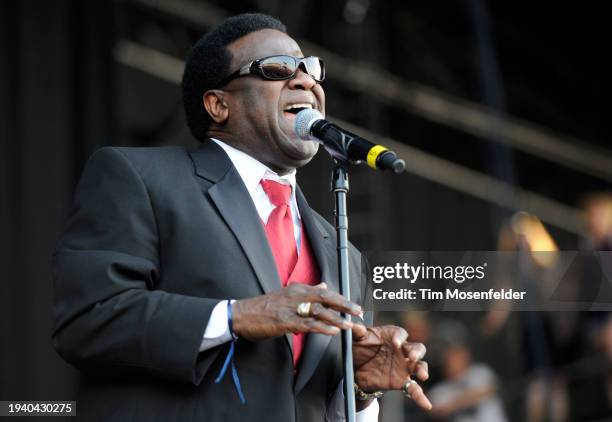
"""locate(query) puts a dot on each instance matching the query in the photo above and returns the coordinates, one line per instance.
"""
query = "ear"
(216, 106)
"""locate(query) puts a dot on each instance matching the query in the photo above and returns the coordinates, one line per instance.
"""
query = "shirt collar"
(252, 171)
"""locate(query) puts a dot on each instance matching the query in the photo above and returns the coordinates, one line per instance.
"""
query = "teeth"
(299, 105)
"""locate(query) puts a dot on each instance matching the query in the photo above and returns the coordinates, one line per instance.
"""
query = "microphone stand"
(340, 187)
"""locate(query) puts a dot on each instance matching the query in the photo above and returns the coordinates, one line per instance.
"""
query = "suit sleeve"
(108, 313)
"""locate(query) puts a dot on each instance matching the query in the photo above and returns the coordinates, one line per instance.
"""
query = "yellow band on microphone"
(373, 154)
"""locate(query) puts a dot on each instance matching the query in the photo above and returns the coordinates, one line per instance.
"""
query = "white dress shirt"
(252, 172)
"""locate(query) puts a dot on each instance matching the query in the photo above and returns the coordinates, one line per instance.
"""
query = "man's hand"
(274, 314)
(384, 360)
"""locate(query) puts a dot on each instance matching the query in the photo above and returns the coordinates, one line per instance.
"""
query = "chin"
(296, 148)
(306, 161)
(306, 152)
(295, 159)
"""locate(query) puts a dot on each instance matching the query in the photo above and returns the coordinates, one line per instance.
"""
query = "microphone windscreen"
(303, 122)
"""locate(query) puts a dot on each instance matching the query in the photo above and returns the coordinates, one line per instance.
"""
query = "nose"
(302, 80)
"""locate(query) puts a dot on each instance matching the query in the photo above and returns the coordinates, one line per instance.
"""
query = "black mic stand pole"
(340, 187)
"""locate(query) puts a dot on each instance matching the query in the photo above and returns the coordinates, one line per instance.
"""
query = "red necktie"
(279, 228)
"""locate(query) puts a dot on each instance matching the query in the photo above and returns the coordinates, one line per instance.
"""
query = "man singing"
(200, 286)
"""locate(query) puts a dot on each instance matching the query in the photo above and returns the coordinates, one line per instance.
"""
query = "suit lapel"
(319, 241)
(324, 251)
(237, 209)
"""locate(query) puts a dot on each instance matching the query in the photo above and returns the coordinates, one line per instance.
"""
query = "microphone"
(344, 145)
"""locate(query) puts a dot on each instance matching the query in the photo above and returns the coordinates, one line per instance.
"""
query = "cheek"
(320, 94)
(261, 102)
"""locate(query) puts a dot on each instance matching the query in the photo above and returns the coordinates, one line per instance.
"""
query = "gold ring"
(407, 384)
(303, 309)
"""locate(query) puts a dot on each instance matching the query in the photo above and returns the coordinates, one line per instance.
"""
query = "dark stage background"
(496, 107)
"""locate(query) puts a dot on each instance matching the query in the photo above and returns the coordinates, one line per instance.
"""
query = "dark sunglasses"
(280, 68)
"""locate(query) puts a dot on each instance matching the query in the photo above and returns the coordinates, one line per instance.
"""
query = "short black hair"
(208, 64)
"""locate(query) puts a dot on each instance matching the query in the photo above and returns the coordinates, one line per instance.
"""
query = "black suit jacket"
(156, 238)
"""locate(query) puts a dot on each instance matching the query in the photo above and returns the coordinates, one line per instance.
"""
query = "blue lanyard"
(230, 357)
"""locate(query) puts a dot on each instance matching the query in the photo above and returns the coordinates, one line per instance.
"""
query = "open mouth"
(292, 109)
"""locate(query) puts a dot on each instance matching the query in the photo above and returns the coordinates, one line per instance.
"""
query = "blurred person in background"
(598, 221)
(524, 233)
(591, 378)
(468, 391)
(544, 337)
(597, 240)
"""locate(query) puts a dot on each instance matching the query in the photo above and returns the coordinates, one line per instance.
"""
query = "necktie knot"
(278, 193)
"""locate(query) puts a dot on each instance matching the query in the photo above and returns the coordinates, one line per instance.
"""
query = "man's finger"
(418, 396)
(321, 313)
(332, 300)
(399, 336)
(359, 331)
(414, 351)
(310, 325)
(421, 370)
